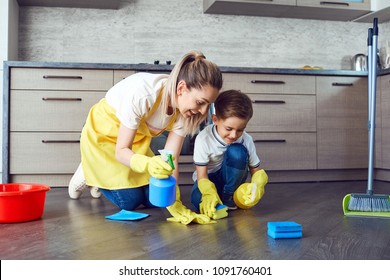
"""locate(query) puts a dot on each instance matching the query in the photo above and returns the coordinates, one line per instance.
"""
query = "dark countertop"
(164, 67)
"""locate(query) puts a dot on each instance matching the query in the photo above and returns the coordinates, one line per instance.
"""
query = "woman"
(116, 158)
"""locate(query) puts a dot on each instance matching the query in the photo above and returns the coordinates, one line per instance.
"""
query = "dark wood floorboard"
(77, 229)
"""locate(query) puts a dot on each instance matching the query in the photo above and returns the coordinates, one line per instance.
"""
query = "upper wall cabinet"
(383, 15)
(93, 4)
(304, 9)
(276, 8)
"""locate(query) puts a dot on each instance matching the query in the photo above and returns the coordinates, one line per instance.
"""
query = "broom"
(370, 204)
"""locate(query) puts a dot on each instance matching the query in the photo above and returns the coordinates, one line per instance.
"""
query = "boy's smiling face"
(230, 129)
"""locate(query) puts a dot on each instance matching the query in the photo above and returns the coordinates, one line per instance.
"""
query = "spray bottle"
(162, 192)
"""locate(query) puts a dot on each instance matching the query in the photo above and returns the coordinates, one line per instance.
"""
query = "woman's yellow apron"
(97, 145)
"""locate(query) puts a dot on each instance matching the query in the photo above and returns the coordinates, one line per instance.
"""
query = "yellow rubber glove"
(182, 214)
(210, 197)
(260, 178)
(155, 166)
(248, 195)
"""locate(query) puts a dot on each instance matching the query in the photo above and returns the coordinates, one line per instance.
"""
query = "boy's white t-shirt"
(210, 148)
(133, 98)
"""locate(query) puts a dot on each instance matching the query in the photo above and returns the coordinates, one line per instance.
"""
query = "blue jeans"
(129, 199)
(229, 177)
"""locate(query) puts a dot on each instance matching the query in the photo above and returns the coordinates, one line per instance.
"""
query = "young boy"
(222, 154)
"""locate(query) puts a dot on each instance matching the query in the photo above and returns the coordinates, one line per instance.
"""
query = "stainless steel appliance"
(359, 62)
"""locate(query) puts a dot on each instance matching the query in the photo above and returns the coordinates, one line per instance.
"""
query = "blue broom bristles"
(369, 203)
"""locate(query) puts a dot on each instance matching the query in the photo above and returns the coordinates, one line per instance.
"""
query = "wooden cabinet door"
(385, 107)
(342, 108)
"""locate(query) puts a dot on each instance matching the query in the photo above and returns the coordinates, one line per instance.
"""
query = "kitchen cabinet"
(331, 10)
(48, 108)
(119, 75)
(277, 8)
(122, 74)
(308, 125)
(283, 125)
(379, 9)
(303, 9)
(342, 111)
(385, 107)
(93, 4)
(284, 151)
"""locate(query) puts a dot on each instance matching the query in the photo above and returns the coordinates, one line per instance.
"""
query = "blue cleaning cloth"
(125, 215)
(291, 234)
(284, 226)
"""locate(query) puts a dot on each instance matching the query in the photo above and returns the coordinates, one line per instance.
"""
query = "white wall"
(9, 18)
(143, 31)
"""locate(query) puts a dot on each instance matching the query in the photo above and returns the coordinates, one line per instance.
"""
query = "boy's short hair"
(233, 103)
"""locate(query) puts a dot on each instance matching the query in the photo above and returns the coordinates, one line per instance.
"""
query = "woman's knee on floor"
(126, 199)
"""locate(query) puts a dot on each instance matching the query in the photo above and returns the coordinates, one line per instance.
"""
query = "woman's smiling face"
(194, 101)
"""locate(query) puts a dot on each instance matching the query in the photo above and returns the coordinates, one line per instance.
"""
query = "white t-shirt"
(134, 97)
(210, 148)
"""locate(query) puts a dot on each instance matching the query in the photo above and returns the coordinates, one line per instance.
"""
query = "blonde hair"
(197, 72)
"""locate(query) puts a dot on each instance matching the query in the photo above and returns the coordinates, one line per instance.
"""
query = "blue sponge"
(292, 234)
(286, 226)
(284, 229)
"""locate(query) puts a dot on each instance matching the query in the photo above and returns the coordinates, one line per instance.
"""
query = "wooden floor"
(77, 229)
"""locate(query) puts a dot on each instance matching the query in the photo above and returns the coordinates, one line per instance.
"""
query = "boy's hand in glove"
(210, 197)
(182, 214)
(248, 195)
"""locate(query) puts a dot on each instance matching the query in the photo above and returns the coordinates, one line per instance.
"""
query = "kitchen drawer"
(61, 79)
(44, 153)
(119, 75)
(282, 113)
(50, 110)
(286, 151)
(269, 84)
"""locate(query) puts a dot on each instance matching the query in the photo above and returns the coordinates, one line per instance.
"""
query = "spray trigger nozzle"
(166, 156)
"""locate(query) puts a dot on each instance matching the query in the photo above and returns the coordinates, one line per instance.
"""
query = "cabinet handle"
(61, 99)
(267, 82)
(269, 101)
(270, 141)
(60, 141)
(61, 77)
(334, 3)
(342, 84)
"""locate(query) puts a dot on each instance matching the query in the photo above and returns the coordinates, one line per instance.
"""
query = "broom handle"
(372, 102)
(369, 62)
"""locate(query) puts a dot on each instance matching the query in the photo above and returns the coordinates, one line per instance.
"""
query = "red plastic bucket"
(21, 202)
